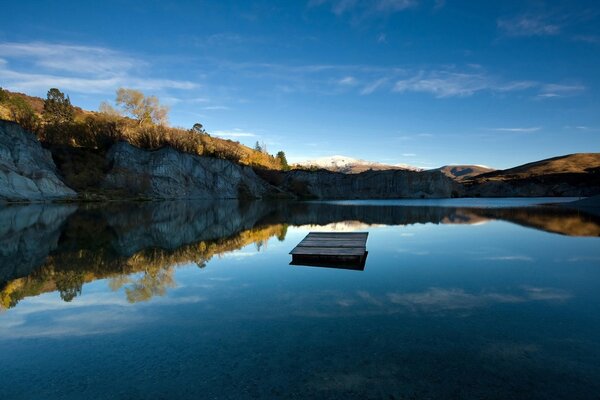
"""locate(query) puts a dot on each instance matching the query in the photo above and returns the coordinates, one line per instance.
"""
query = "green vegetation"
(16, 108)
(282, 161)
(57, 108)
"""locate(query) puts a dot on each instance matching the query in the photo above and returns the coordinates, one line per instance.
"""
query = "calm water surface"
(198, 300)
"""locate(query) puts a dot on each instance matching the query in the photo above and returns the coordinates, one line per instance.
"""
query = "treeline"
(136, 118)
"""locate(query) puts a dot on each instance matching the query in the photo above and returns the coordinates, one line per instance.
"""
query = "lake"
(465, 298)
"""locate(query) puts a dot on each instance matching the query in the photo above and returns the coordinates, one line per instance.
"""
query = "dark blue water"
(196, 300)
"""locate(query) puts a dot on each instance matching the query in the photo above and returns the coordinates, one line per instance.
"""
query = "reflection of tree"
(281, 235)
(154, 282)
(117, 282)
(69, 284)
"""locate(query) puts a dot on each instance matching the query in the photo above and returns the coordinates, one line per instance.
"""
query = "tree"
(258, 147)
(198, 128)
(282, 161)
(57, 108)
(22, 113)
(3, 95)
(146, 109)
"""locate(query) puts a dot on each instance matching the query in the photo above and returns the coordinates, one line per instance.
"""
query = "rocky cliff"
(27, 172)
(169, 174)
(370, 185)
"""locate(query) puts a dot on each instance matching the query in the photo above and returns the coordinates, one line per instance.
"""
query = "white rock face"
(27, 171)
(170, 174)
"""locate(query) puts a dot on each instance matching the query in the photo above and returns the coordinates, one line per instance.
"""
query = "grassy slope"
(572, 163)
(461, 172)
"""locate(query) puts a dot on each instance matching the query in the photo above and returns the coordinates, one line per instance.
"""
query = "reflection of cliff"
(550, 219)
(138, 246)
(27, 235)
(150, 239)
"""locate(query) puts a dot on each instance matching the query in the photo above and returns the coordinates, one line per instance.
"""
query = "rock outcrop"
(169, 174)
(27, 171)
(370, 184)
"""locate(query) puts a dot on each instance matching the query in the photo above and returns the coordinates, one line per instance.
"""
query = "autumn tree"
(145, 109)
(262, 147)
(57, 108)
(22, 113)
(108, 111)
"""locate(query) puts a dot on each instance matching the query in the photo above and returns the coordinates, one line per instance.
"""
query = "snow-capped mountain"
(349, 165)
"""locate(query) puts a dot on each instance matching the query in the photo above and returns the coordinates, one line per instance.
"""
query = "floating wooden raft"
(332, 249)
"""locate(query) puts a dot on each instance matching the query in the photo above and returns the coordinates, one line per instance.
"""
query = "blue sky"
(421, 82)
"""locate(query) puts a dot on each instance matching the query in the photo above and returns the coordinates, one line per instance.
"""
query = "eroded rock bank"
(27, 171)
(169, 174)
(390, 184)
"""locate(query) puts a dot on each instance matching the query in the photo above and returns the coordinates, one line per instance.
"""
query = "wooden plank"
(345, 251)
(338, 235)
(331, 243)
(335, 239)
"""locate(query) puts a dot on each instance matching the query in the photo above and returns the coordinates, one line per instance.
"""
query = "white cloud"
(71, 58)
(553, 90)
(373, 86)
(365, 7)
(520, 129)
(449, 83)
(83, 69)
(209, 108)
(348, 81)
(444, 84)
(509, 258)
(234, 133)
(528, 25)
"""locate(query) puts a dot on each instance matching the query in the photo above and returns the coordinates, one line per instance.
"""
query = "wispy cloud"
(594, 39)
(373, 86)
(520, 129)
(365, 7)
(212, 108)
(72, 58)
(457, 84)
(443, 84)
(85, 69)
(528, 25)
(554, 90)
(348, 81)
(234, 133)
(470, 81)
(509, 258)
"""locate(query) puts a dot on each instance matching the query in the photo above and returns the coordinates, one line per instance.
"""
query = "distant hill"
(349, 165)
(579, 163)
(462, 172)
(570, 175)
